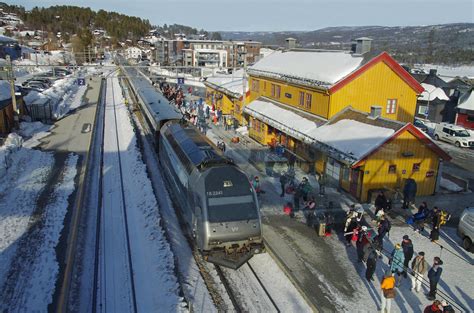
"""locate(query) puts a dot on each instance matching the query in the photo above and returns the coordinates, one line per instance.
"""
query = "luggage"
(322, 229)
(434, 235)
(410, 220)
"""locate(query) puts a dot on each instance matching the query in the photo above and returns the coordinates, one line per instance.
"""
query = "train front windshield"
(228, 209)
(229, 195)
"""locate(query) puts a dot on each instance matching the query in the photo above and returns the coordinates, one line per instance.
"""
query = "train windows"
(227, 209)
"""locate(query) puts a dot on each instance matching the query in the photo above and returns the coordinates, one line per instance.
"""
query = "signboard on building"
(81, 81)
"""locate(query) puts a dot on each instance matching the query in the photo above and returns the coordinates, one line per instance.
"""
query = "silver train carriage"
(216, 198)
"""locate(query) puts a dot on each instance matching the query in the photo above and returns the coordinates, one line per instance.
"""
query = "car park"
(454, 134)
(466, 227)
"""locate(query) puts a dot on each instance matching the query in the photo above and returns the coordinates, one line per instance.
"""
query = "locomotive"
(216, 200)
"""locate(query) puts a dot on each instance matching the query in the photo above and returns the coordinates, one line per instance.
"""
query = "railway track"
(115, 280)
(256, 296)
(241, 290)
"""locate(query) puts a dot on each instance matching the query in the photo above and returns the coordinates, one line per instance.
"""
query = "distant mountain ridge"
(444, 44)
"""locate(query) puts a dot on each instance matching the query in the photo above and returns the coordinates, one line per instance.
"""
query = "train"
(215, 198)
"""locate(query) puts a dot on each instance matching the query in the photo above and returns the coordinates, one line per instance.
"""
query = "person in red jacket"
(434, 308)
(288, 209)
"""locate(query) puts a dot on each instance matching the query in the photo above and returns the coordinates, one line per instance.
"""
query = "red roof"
(415, 132)
(387, 59)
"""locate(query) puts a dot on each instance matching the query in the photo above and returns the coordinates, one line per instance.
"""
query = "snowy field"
(31, 223)
(450, 72)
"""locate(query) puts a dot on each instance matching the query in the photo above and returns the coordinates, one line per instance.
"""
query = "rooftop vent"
(375, 111)
(290, 43)
(361, 45)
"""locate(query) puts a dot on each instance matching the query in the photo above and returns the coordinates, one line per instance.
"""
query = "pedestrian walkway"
(322, 267)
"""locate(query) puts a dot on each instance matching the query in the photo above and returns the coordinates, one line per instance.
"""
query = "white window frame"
(391, 106)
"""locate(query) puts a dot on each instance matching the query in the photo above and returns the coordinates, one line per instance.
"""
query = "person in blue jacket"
(396, 262)
(434, 274)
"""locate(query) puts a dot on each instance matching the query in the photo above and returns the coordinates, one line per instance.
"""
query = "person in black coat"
(371, 264)
(434, 275)
(408, 252)
(384, 228)
(409, 192)
(283, 181)
(380, 202)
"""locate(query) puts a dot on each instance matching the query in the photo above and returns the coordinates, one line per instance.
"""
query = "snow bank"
(64, 96)
(33, 132)
(20, 187)
(7, 151)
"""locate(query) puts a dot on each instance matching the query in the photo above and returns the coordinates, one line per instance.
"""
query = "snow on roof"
(325, 67)
(286, 120)
(232, 82)
(352, 137)
(431, 93)
(266, 51)
(5, 91)
(466, 102)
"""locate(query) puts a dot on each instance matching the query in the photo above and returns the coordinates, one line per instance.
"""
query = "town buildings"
(192, 52)
(465, 115)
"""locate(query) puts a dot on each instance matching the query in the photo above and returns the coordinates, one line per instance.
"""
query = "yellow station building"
(296, 95)
(226, 92)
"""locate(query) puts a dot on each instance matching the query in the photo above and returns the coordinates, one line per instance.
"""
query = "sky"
(280, 15)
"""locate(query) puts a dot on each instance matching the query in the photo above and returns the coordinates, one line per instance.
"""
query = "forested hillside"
(440, 44)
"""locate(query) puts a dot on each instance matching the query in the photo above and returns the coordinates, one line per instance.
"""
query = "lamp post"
(11, 78)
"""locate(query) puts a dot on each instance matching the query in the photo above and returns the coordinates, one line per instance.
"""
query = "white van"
(466, 227)
(453, 134)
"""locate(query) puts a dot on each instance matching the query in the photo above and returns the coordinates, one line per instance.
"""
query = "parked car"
(36, 85)
(454, 134)
(466, 227)
(420, 125)
(43, 80)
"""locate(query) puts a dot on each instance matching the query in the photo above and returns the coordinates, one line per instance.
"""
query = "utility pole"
(11, 78)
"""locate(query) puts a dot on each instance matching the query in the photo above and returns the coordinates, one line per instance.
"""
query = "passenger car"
(457, 135)
(466, 227)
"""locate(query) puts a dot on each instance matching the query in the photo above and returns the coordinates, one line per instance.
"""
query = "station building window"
(309, 98)
(255, 85)
(275, 92)
(392, 169)
(391, 106)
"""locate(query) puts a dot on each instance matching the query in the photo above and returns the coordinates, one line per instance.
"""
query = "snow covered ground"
(31, 223)
(450, 72)
(131, 217)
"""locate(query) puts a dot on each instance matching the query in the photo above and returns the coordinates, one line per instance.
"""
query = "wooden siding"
(6, 119)
(290, 95)
(229, 105)
(376, 168)
(374, 87)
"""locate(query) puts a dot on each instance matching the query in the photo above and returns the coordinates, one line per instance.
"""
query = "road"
(462, 164)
